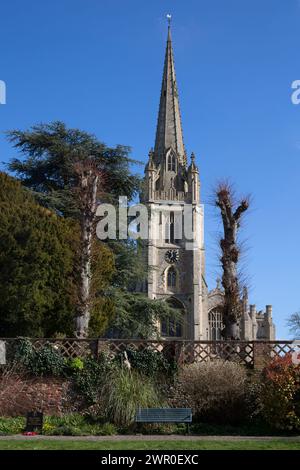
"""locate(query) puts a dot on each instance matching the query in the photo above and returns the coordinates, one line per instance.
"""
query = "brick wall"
(18, 395)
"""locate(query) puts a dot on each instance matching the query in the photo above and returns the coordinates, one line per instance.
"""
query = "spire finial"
(169, 18)
(169, 128)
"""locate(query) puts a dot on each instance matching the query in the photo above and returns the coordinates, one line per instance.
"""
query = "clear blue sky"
(97, 65)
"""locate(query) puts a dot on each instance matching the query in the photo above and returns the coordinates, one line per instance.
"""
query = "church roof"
(169, 129)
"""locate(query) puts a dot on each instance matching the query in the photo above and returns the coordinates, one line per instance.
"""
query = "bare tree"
(89, 179)
(231, 213)
(294, 324)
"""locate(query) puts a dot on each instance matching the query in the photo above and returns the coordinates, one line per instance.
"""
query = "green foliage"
(11, 425)
(72, 424)
(150, 362)
(131, 268)
(103, 269)
(45, 361)
(124, 393)
(136, 316)
(37, 251)
(75, 425)
(50, 151)
(76, 364)
(280, 394)
(90, 380)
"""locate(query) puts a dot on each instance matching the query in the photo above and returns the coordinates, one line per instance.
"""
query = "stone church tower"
(174, 251)
(172, 194)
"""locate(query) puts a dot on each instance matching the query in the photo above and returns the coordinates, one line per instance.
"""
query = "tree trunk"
(88, 186)
(232, 309)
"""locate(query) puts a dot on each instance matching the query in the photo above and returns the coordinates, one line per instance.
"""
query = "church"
(176, 265)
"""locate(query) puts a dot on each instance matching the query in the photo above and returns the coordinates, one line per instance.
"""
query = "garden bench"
(164, 415)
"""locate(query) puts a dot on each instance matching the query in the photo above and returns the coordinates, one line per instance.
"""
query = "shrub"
(11, 426)
(72, 424)
(124, 393)
(149, 362)
(214, 390)
(90, 380)
(106, 429)
(75, 364)
(75, 425)
(280, 394)
(42, 362)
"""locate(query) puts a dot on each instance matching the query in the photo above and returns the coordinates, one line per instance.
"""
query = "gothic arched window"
(171, 277)
(215, 322)
(170, 229)
(173, 327)
(171, 162)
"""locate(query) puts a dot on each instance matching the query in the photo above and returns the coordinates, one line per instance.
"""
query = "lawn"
(275, 444)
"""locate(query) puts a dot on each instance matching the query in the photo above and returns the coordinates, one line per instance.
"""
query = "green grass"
(148, 445)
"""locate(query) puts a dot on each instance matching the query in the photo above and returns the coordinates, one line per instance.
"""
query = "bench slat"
(164, 415)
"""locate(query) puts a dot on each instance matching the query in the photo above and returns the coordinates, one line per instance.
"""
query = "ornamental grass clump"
(125, 392)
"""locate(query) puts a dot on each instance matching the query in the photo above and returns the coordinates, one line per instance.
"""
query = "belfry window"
(171, 162)
(170, 229)
(171, 278)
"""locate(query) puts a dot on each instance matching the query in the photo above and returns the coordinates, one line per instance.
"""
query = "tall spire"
(169, 129)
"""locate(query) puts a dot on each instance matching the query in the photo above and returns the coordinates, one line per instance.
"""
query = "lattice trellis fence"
(249, 353)
(280, 349)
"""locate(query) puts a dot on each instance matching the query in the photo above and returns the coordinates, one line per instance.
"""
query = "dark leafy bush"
(42, 362)
(90, 380)
(149, 362)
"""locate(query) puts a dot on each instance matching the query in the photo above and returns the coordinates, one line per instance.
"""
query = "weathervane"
(169, 17)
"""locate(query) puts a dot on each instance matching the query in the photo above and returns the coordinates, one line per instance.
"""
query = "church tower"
(175, 249)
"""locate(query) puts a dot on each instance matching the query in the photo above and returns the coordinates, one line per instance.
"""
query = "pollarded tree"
(231, 214)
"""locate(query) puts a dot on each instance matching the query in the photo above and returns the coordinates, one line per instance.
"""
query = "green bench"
(164, 415)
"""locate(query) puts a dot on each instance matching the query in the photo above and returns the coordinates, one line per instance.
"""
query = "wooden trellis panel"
(250, 353)
(280, 349)
(69, 348)
(202, 351)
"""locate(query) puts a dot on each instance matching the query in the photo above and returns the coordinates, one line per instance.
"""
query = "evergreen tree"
(51, 153)
(71, 171)
(36, 265)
